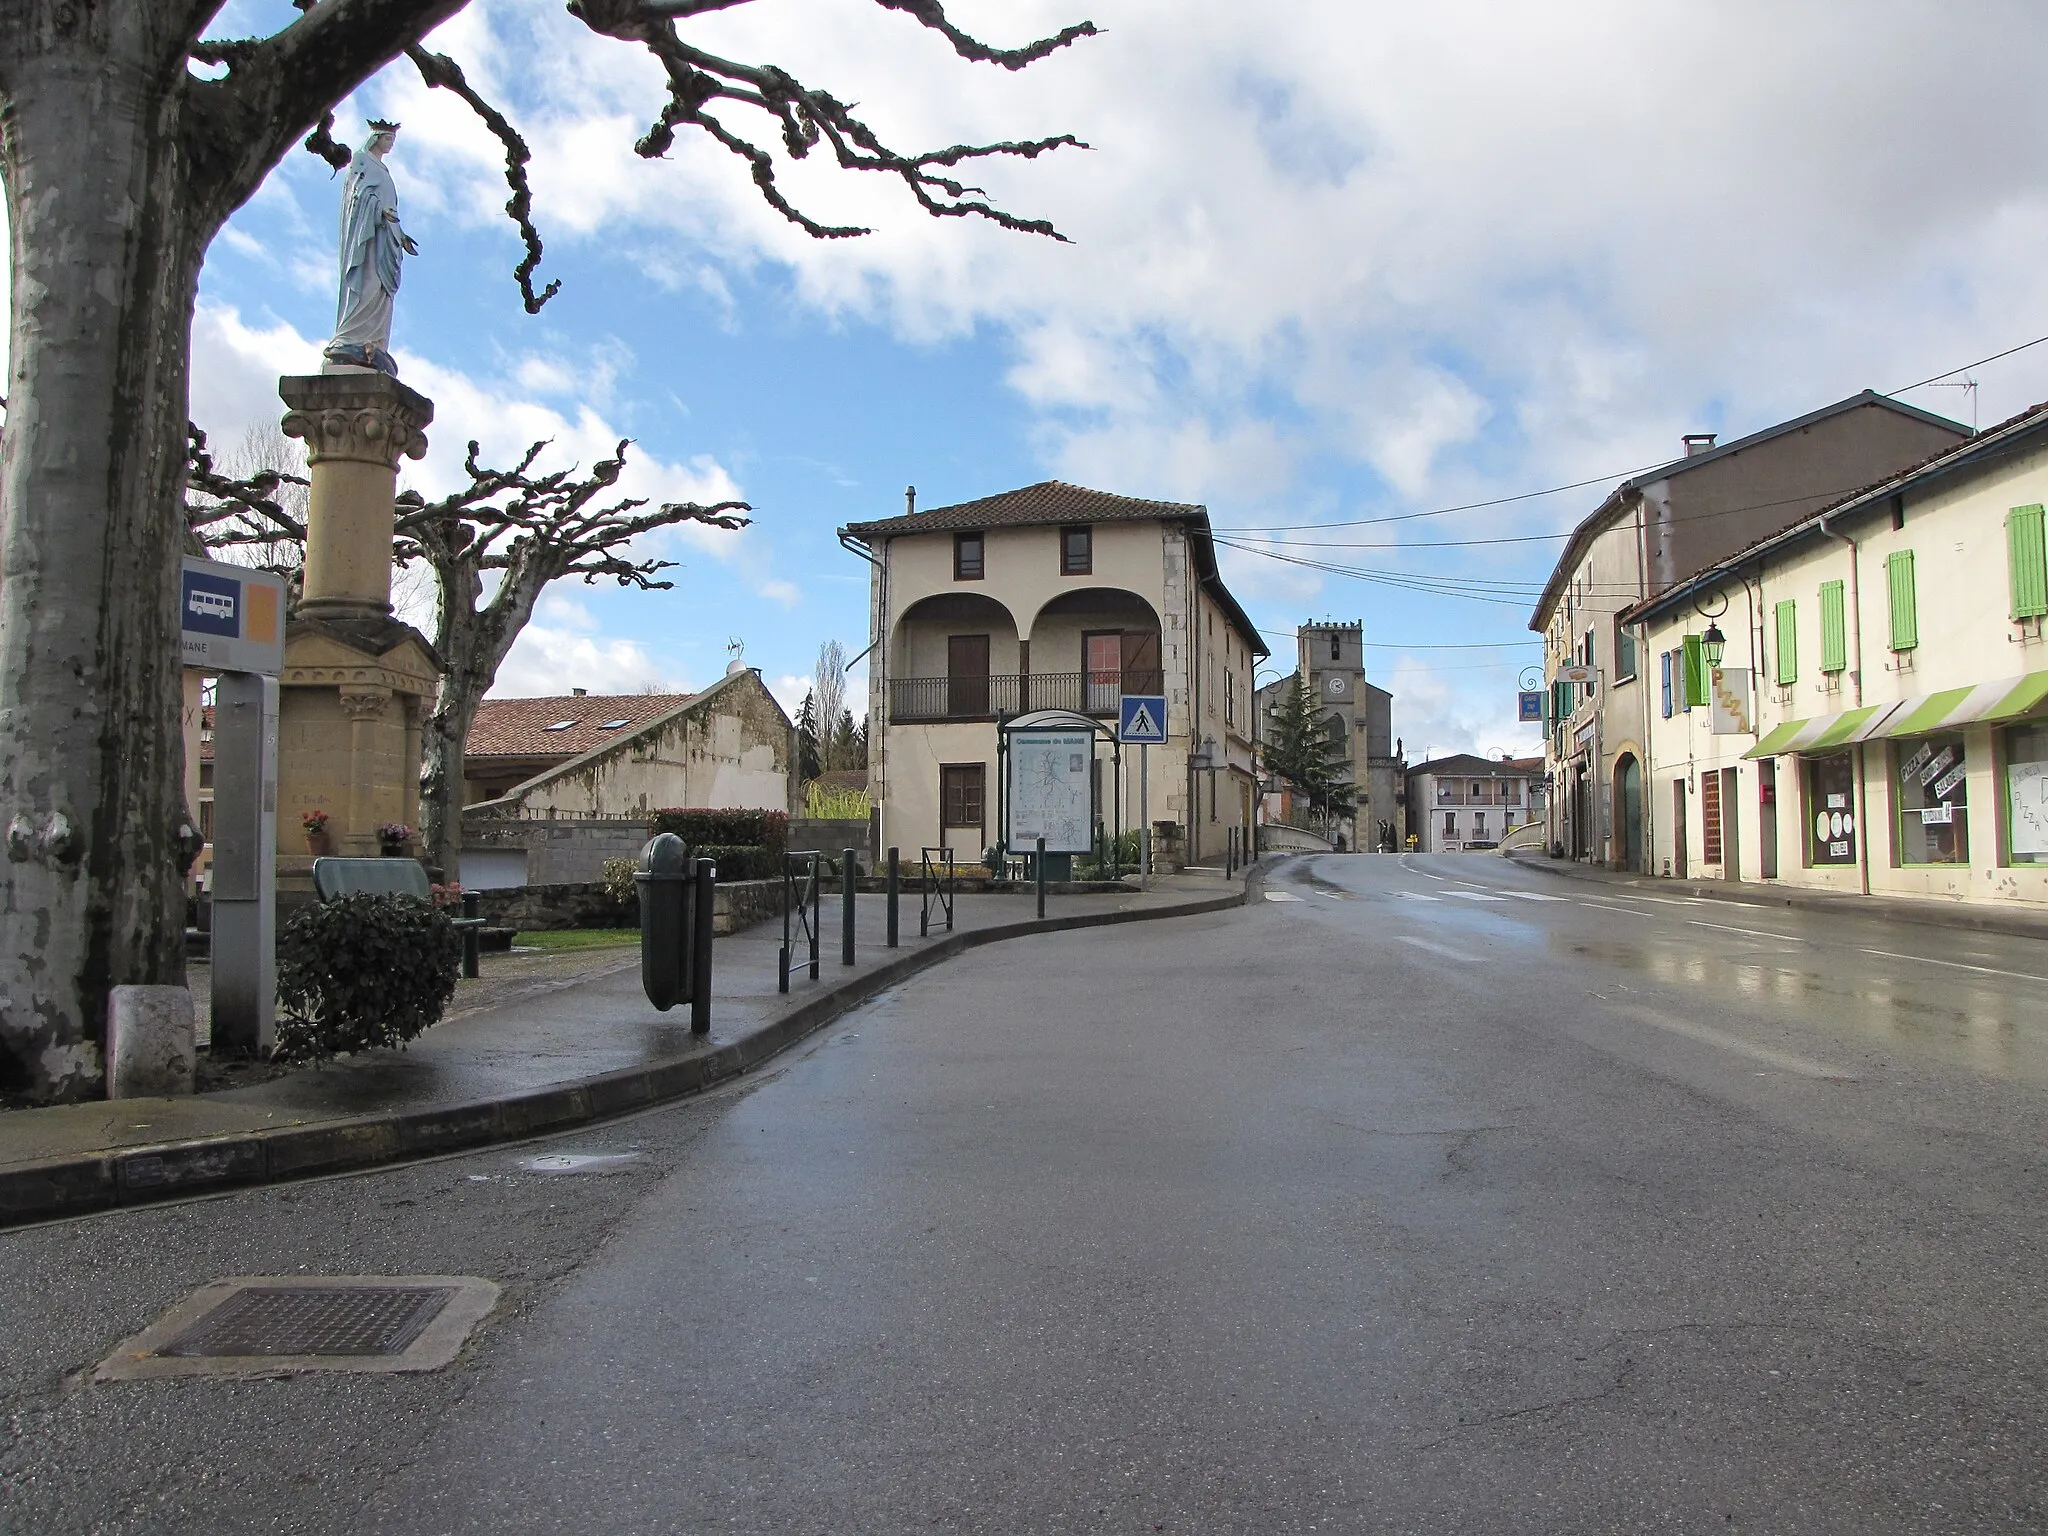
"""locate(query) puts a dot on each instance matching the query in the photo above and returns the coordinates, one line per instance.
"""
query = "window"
(1450, 823)
(960, 794)
(1624, 654)
(1336, 647)
(1230, 698)
(1834, 644)
(1664, 668)
(559, 725)
(1830, 810)
(2027, 556)
(1695, 675)
(1787, 617)
(1479, 823)
(1929, 787)
(2026, 793)
(1710, 817)
(611, 725)
(1077, 551)
(1905, 609)
(967, 557)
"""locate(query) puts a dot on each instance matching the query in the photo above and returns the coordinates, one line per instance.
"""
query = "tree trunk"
(106, 255)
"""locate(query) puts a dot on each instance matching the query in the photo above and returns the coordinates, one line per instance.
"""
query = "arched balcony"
(958, 656)
(1089, 646)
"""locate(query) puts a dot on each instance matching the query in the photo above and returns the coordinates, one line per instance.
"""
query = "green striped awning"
(1823, 733)
(2006, 699)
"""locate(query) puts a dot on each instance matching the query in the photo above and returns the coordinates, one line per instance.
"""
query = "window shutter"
(2026, 551)
(1788, 643)
(1834, 646)
(1695, 672)
(1898, 582)
(1664, 667)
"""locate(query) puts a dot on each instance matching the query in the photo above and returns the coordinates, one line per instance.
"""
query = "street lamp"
(1713, 643)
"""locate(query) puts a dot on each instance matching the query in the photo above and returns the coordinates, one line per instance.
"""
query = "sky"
(1331, 262)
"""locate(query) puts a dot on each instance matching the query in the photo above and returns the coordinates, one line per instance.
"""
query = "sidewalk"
(539, 1056)
(1974, 917)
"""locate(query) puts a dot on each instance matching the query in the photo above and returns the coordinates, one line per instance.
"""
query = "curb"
(1932, 914)
(75, 1186)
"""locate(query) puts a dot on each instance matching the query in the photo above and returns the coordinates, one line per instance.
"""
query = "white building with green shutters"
(1859, 703)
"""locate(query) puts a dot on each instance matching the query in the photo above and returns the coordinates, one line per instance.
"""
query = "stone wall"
(559, 851)
(544, 908)
(832, 837)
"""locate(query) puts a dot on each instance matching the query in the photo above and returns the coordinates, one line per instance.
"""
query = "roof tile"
(1049, 501)
(520, 727)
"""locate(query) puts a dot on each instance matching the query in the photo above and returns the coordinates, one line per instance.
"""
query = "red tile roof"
(522, 727)
(1048, 502)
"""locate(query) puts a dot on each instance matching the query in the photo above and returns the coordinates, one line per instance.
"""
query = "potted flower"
(392, 836)
(317, 841)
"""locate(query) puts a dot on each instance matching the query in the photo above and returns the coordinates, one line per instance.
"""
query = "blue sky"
(1337, 262)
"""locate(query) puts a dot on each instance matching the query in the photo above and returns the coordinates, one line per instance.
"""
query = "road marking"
(1532, 896)
(1330, 895)
(1956, 965)
(1439, 949)
(1475, 896)
(1641, 917)
(1281, 896)
(1755, 933)
(1416, 896)
(1784, 1061)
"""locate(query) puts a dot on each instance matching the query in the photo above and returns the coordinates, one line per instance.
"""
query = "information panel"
(1051, 791)
(230, 618)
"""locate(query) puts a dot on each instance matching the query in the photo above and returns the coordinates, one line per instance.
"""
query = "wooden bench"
(334, 877)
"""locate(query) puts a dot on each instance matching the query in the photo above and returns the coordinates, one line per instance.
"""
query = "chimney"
(1698, 442)
(580, 692)
(910, 501)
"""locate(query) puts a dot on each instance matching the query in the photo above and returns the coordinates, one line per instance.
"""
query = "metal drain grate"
(262, 1320)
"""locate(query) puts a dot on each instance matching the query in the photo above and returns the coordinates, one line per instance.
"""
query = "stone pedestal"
(357, 682)
(152, 1049)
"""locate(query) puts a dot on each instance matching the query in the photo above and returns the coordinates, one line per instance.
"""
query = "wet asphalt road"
(1439, 1196)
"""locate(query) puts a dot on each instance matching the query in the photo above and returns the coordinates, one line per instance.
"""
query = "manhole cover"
(270, 1325)
(314, 1320)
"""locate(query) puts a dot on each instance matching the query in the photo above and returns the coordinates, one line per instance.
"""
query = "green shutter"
(2027, 553)
(1788, 643)
(1898, 585)
(1834, 644)
(1695, 672)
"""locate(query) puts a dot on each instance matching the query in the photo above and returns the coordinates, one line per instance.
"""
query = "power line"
(1994, 357)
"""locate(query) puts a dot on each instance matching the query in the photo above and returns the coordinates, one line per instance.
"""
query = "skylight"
(561, 725)
(611, 725)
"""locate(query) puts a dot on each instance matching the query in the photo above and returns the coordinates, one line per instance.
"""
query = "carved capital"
(365, 704)
(365, 418)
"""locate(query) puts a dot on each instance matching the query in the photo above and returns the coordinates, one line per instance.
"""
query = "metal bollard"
(895, 878)
(664, 882)
(817, 917)
(849, 883)
(1041, 877)
(706, 904)
(472, 902)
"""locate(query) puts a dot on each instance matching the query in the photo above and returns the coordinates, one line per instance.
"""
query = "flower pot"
(392, 850)
(319, 844)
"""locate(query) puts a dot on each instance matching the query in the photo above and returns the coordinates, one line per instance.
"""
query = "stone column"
(356, 427)
(365, 708)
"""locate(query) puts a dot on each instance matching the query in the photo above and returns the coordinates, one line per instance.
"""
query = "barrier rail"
(801, 898)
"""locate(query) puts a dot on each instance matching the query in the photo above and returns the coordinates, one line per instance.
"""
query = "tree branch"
(440, 71)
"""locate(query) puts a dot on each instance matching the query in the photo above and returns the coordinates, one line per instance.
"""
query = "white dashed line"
(1439, 949)
(1281, 896)
(1956, 965)
(1754, 933)
(1416, 896)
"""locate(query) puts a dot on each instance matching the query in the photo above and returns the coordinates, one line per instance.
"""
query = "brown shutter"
(1141, 662)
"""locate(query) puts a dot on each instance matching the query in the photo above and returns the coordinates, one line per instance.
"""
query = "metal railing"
(801, 897)
(940, 885)
(979, 697)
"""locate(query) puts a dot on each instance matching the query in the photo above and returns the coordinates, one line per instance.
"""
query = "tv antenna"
(1969, 387)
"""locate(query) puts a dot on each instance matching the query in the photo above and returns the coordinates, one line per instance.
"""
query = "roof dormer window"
(560, 725)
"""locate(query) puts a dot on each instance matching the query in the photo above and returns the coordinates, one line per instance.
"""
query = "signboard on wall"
(1529, 704)
(1051, 791)
(1728, 695)
(230, 618)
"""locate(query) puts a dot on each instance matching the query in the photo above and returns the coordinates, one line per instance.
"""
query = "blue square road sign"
(1141, 719)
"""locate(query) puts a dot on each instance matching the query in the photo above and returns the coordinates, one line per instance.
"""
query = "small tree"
(809, 761)
(828, 687)
(1300, 750)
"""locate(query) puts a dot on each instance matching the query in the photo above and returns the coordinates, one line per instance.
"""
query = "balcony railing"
(975, 697)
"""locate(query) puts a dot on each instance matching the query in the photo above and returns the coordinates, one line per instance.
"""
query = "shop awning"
(2006, 699)
(1824, 733)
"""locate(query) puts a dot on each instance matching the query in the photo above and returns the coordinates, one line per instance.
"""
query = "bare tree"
(513, 532)
(828, 696)
(121, 163)
(251, 506)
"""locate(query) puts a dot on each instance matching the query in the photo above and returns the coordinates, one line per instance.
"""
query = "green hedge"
(362, 972)
(741, 863)
(710, 830)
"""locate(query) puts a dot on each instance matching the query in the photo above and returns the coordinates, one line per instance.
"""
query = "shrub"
(361, 972)
(618, 879)
(742, 863)
(727, 829)
(831, 802)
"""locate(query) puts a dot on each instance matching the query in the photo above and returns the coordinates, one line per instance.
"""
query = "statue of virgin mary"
(373, 244)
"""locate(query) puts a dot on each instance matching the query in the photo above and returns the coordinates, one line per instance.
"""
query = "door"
(1628, 797)
(1767, 818)
(966, 675)
(1731, 842)
(1102, 662)
(1710, 817)
(1678, 832)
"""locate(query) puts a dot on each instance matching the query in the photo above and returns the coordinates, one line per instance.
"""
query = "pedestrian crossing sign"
(1141, 719)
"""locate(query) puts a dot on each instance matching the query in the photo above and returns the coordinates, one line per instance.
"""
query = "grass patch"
(579, 938)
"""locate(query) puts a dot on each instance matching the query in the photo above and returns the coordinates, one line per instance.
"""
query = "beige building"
(1469, 803)
(1878, 717)
(1359, 719)
(1655, 530)
(1053, 597)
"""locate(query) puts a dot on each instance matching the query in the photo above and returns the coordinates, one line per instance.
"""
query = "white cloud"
(561, 649)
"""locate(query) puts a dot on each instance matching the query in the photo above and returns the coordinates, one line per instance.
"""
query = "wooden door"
(966, 675)
(1142, 673)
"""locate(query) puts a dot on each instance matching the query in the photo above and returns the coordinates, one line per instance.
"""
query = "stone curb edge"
(77, 1186)
(1935, 915)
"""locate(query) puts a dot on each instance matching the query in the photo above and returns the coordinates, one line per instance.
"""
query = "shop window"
(1830, 809)
(1930, 787)
(2026, 794)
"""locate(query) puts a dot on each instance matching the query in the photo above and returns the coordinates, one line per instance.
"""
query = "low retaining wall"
(546, 908)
